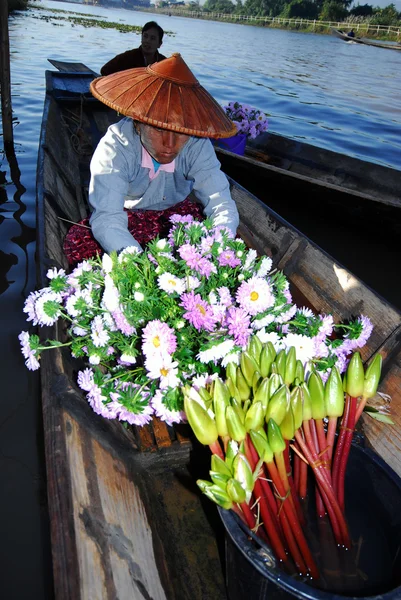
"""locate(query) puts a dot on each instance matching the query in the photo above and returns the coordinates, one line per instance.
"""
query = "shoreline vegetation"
(372, 26)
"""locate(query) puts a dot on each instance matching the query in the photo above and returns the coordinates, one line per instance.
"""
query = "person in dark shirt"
(146, 54)
(351, 33)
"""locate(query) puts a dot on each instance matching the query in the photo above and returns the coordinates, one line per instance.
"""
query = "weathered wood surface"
(127, 520)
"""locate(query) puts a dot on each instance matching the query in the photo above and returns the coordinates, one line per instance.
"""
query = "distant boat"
(347, 38)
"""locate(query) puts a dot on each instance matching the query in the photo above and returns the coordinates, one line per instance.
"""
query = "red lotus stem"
(249, 516)
(216, 449)
(339, 446)
(294, 493)
(269, 523)
(291, 542)
(359, 409)
(349, 432)
(326, 487)
(320, 509)
(331, 436)
(292, 520)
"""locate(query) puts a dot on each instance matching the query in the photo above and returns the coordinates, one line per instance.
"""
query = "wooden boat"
(127, 520)
(347, 38)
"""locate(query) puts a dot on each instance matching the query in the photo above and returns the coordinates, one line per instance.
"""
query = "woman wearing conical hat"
(159, 153)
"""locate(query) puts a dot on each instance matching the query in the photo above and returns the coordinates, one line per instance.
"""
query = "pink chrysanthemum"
(255, 295)
(198, 312)
(158, 338)
(238, 323)
(164, 413)
(228, 259)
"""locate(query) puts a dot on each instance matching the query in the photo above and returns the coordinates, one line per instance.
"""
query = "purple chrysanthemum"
(238, 323)
(198, 312)
(228, 259)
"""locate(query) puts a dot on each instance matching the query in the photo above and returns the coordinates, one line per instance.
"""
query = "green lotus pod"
(287, 425)
(296, 405)
(355, 376)
(278, 405)
(274, 368)
(232, 388)
(236, 429)
(290, 366)
(334, 394)
(214, 493)
(206, 397)
(272, 350)
(192, 394)
(256, 381)
(221, 391)
(242, 386)
(372, 377)
(261, 445)
(246, 405)
(248, 367)
(255, 417)
(237, 406)
(299, 372)
(219, 479)
(220, 406)
(219, 466)
(306, 402)
(235, 491)
(316, 392)
(255, 348)
(276, 441)
(281, 361)
(231, 452)
(202, 424)
(231, 372)
(262, 393)
(243, 472)
(265, 361)
(276, 381)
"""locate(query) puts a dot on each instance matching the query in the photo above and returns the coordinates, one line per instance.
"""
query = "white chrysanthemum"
(124, 254)
(111, 297)
(265, 266)
(304, 346)
(107, 263)
(161, 244)
(54, 272)
(42, 312)
(191, 283)
(80, 331)
(231, 357)
(203, 380)
(99, 334)
(250, 259)
(164, 368)
(241, 277)
(170, 283)
(260, 323)
(94, 359)
(128, 359)
(139, 297)
(180, 324)
(255, 295)
(216, 352)
(272, 337)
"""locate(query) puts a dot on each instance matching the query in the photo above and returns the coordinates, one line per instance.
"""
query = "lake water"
(316, 88)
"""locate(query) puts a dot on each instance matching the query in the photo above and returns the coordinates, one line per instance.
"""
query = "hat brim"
(164, 102)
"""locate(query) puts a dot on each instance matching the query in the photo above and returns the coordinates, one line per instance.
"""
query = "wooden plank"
(71, 67)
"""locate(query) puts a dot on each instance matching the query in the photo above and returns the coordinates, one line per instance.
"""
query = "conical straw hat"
(166, 95)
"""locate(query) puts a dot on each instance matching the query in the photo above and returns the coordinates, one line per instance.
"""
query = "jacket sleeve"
(210, 185)
(107, 190)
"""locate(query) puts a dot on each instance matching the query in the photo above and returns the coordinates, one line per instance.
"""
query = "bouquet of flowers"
(149, 323)
(248, 120)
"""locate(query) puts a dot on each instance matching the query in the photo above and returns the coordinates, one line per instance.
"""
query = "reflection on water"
(315, 88)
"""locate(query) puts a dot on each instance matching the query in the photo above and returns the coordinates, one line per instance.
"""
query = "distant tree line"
(324, 10)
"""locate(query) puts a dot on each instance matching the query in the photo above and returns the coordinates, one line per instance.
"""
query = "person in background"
(351, 33)
(146, 54)
(147, 164)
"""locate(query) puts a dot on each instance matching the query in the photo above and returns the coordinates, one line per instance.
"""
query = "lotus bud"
(272, 350)
(203, 426)
(276, 442)
(255, 417)
(192, 394)
(296, 405)
(256, 381)
(206, 397)
(300, 372)
(232, 388)
(220, 416)
(231, 453)
(261, 445)
(220, 466)
(334, 394)
(236, 429)
(287, 426)
(276, 381)
(281, 360)
(372, 377)
(214, 493)
(355, 376)
(278, 405)
(248, 367)
(221, 391)
(238, 409)
(306, 403)
(243, 472)
(219, 479)
(235, 491)
(246, 405)
(316, 392)
(262, 393)
(231, 372)
(242, 386)
(290, 366)
(274, 368)
(266, 358)
(255, 348)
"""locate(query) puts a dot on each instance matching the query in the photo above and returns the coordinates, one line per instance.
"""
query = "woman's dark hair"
(154, 25)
